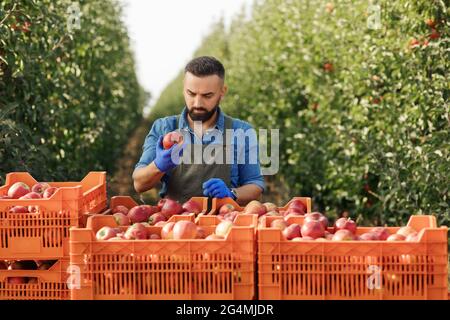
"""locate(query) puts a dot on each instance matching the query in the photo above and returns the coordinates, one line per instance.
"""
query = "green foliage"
(68, 100)
(363, 115)
(371, 135)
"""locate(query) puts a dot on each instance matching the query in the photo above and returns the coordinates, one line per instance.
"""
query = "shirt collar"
(220, 123)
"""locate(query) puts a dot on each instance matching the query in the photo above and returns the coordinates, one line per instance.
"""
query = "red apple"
(49, 192)
(270, 206)
(33, 209)
(23, 265)
(3, 265)
(273, 214)
(226, 208)
(412, 237)
(201, 233)
(343, 235)
(328, 67)
(381, 232)
(40, 187)
(116, 238)
(301, 239)
(223, 228)
(121, 219)
(313, 229)
(19, 209)
(317, 216)
(255, 207)
(171, 207)
(292, 231)
(434, 34)
(155, 236)
(369, 236)
(184, 230)
(155, 218)
(231, 216)
(136, 232)
(261, 223)
(140, 213)
(192, 206)
(167, 230)
(106, 233)
(297, 206)
(214, 237)
(396, 237)
(328, 235)
(31, 195)
(172, 138)
(17, 280)
(293, 212)
(345, 223)
(406, 231)
(431, 23)
(279, 224)
(160, 204)
(120, 209)
(18, 190)
(45, 264)
(160, 223)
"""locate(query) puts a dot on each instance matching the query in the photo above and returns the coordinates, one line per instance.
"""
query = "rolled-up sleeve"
(149, 147)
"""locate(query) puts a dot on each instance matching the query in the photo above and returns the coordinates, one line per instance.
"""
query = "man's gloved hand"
(216, 188)
(164, 160)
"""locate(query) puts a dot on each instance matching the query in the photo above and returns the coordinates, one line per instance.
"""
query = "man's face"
(202, 95)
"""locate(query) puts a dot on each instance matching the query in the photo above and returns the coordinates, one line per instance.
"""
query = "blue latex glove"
(164, 160)
(216, 188)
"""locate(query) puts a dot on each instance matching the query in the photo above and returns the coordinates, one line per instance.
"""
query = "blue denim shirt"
(241, 173)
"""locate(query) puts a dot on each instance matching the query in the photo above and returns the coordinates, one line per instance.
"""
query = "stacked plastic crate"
(34, 235)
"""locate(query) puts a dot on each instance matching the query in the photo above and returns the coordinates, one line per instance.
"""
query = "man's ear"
(224, 90)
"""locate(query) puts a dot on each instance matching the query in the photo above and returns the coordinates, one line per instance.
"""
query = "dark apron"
(186, 180)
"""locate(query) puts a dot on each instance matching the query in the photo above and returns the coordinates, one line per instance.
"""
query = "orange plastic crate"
(353, 269)
(51, 284)
(165, 269)
(217, 203)
(44, 234)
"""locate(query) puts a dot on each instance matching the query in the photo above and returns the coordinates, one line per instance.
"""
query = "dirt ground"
(121, 183)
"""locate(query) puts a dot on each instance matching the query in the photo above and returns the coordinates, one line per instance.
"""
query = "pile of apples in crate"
(25, 265)
(21, 190)
(132, 223)
(315, 227)
(315, 224)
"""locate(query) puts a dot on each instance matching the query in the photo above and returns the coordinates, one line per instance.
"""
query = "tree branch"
(8, 14)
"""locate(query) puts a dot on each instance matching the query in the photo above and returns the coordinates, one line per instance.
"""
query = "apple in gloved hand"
(172, 138)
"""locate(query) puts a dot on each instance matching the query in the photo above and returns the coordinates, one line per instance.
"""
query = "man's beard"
(204, 115)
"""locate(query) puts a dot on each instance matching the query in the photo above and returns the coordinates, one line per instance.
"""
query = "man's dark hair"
(205, 66)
